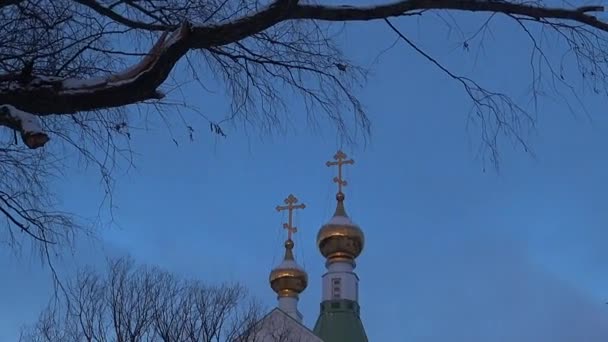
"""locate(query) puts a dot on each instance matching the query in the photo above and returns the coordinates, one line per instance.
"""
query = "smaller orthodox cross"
(340, 158)
(291, 201)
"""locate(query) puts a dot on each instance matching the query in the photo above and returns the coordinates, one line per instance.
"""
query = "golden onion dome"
(340, 239)
(288, 279)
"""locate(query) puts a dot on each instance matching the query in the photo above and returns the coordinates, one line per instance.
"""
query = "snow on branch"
(136, 84)
(407, 7)
(40, 95)
(26, 123)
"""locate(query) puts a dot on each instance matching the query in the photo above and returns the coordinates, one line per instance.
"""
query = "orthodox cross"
(340, 158)
(291, 201)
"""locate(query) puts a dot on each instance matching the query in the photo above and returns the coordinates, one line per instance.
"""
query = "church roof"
(279, 326)
(339, 322)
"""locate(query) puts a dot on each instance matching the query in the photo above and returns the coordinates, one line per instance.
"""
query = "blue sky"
(453, 250)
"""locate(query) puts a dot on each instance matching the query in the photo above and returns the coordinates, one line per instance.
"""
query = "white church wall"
(340, 282)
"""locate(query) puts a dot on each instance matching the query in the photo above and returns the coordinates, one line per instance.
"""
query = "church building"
(340, 241)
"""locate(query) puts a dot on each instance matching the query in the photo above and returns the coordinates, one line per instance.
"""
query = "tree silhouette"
(131, 304)
(74, 74)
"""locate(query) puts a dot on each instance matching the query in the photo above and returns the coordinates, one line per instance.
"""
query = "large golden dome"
(340, 238)
(288, 279)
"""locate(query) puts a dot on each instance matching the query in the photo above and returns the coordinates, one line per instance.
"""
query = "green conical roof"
(339, 322)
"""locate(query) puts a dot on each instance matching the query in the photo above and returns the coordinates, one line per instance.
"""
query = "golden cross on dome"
(291, 201)
(340, 158)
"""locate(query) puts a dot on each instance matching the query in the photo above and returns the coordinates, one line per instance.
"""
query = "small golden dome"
(288, 279)
(340, 238)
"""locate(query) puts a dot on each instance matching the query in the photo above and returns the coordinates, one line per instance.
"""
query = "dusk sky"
(455, 249)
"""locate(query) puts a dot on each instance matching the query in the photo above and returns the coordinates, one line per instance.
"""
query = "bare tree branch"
(132, 304)
(81, 75)
(67, 96)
